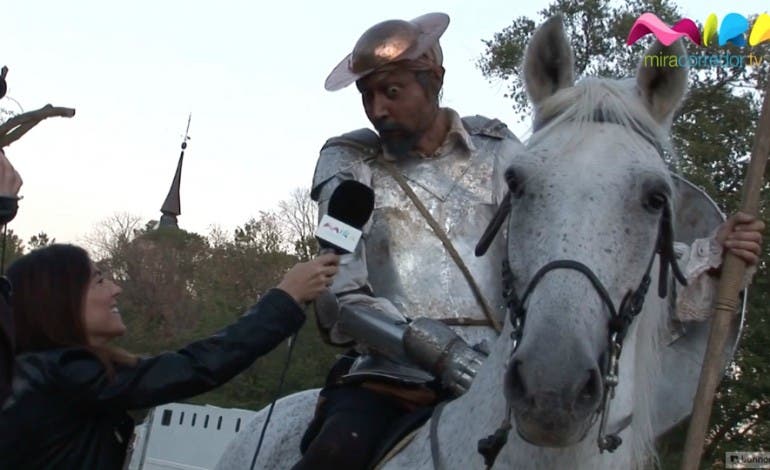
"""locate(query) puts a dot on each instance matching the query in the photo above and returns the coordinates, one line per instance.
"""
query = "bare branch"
(298, 216)
(111, 234)
(17, 126)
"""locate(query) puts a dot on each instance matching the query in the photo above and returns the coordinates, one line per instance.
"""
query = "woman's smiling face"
(100, 311)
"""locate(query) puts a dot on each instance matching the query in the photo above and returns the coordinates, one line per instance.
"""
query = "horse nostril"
(517, 391)
(590, 392)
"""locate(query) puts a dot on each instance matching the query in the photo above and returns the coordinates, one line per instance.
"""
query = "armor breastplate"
(402, 259)
(406, 261)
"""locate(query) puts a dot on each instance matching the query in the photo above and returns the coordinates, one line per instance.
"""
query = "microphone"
(350, 207)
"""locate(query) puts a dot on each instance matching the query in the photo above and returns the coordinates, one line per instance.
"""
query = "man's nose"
(380, 108)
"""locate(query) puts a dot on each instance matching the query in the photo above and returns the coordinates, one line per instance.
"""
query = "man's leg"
(352, 421)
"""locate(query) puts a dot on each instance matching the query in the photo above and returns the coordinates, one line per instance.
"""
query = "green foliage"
(40, 240)
(179, 287)
(262, 234)
(597, 30)
(256, 387)
(13, 246)
(713, 134)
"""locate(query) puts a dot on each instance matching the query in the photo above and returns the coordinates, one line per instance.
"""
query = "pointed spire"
(171, 207)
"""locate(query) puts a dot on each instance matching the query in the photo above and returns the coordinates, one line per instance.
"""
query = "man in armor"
(413, 299)
(402, 270)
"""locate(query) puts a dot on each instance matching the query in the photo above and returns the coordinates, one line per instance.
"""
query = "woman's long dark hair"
(49, 287)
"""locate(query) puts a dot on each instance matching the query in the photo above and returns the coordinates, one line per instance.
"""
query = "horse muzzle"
(553, 413)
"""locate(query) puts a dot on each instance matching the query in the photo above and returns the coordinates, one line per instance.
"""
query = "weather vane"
(187, 133)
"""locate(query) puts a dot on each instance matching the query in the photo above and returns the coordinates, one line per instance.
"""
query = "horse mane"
(599, 100)
(647, 372)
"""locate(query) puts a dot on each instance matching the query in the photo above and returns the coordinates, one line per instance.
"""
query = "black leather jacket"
(6, 340)
(8, 208)
(64, 412)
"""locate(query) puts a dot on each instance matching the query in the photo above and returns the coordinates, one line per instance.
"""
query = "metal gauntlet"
(426, 343)
(437, 348)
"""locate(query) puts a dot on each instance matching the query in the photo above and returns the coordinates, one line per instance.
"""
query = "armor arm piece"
(426, 343)
(339, 162)
(437, 348)
(374, 329)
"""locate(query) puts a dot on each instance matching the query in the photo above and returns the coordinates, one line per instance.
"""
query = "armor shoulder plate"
(342, 153)
(494, 128)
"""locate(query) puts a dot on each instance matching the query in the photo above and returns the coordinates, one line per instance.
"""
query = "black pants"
(348, 426)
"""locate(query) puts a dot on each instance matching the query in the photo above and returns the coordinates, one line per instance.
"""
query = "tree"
(263, 234)
(179, 286)
(40, 240)
(596, 29)
(218, 237)
(712, 134)
(111, 235)
(298, 215)
(160, 270)
(13, 247)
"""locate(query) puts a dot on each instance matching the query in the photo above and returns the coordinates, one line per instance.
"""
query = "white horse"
(591, 187)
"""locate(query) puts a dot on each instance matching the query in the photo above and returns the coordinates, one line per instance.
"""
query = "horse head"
(589, 206)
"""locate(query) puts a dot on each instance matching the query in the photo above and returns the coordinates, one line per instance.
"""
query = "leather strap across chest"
(485, 308)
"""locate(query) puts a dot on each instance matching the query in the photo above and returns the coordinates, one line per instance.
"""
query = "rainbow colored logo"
(731, 30)
(344, 233)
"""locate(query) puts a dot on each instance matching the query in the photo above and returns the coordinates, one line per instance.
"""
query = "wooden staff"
(726, 305)
(12, 129)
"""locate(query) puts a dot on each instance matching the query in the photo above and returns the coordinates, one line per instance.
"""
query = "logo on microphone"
(341, 231)
(338, 234)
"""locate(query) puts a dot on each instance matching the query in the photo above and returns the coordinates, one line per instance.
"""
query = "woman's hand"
(10, 181)
(741, 233)
(305, 281)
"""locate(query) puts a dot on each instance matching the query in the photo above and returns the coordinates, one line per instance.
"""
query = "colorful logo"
(346, 234)
(731, 30)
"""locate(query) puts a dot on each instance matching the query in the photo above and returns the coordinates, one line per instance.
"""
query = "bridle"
(619, 323)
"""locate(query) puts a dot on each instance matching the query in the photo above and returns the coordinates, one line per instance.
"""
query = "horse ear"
(548, 61)
(661, 81)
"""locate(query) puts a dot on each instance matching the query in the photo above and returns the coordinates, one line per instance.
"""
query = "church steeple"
(171, 207)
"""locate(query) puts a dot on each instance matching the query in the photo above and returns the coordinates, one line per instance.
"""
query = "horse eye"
(513, 181)
(654, 202)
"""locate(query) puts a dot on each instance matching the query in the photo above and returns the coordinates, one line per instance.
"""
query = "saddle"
(398, 435)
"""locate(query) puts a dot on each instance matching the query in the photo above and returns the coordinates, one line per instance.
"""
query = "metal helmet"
(388, 42)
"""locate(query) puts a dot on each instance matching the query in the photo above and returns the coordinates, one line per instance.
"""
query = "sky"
(252, 77)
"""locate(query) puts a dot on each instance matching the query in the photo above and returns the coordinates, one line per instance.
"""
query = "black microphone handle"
(327, 250)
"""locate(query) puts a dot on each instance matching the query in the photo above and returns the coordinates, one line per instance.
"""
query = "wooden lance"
(726, 305)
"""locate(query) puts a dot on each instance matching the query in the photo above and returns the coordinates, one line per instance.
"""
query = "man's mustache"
(385, 126)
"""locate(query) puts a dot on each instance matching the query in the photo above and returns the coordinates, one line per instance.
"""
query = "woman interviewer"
(71, 388)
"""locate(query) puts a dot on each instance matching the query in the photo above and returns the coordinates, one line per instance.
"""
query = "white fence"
(182, 436)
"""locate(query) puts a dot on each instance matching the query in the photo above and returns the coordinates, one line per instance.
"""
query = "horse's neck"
(476, 414)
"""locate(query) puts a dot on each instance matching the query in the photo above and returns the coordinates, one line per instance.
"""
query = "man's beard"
(396, 139)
